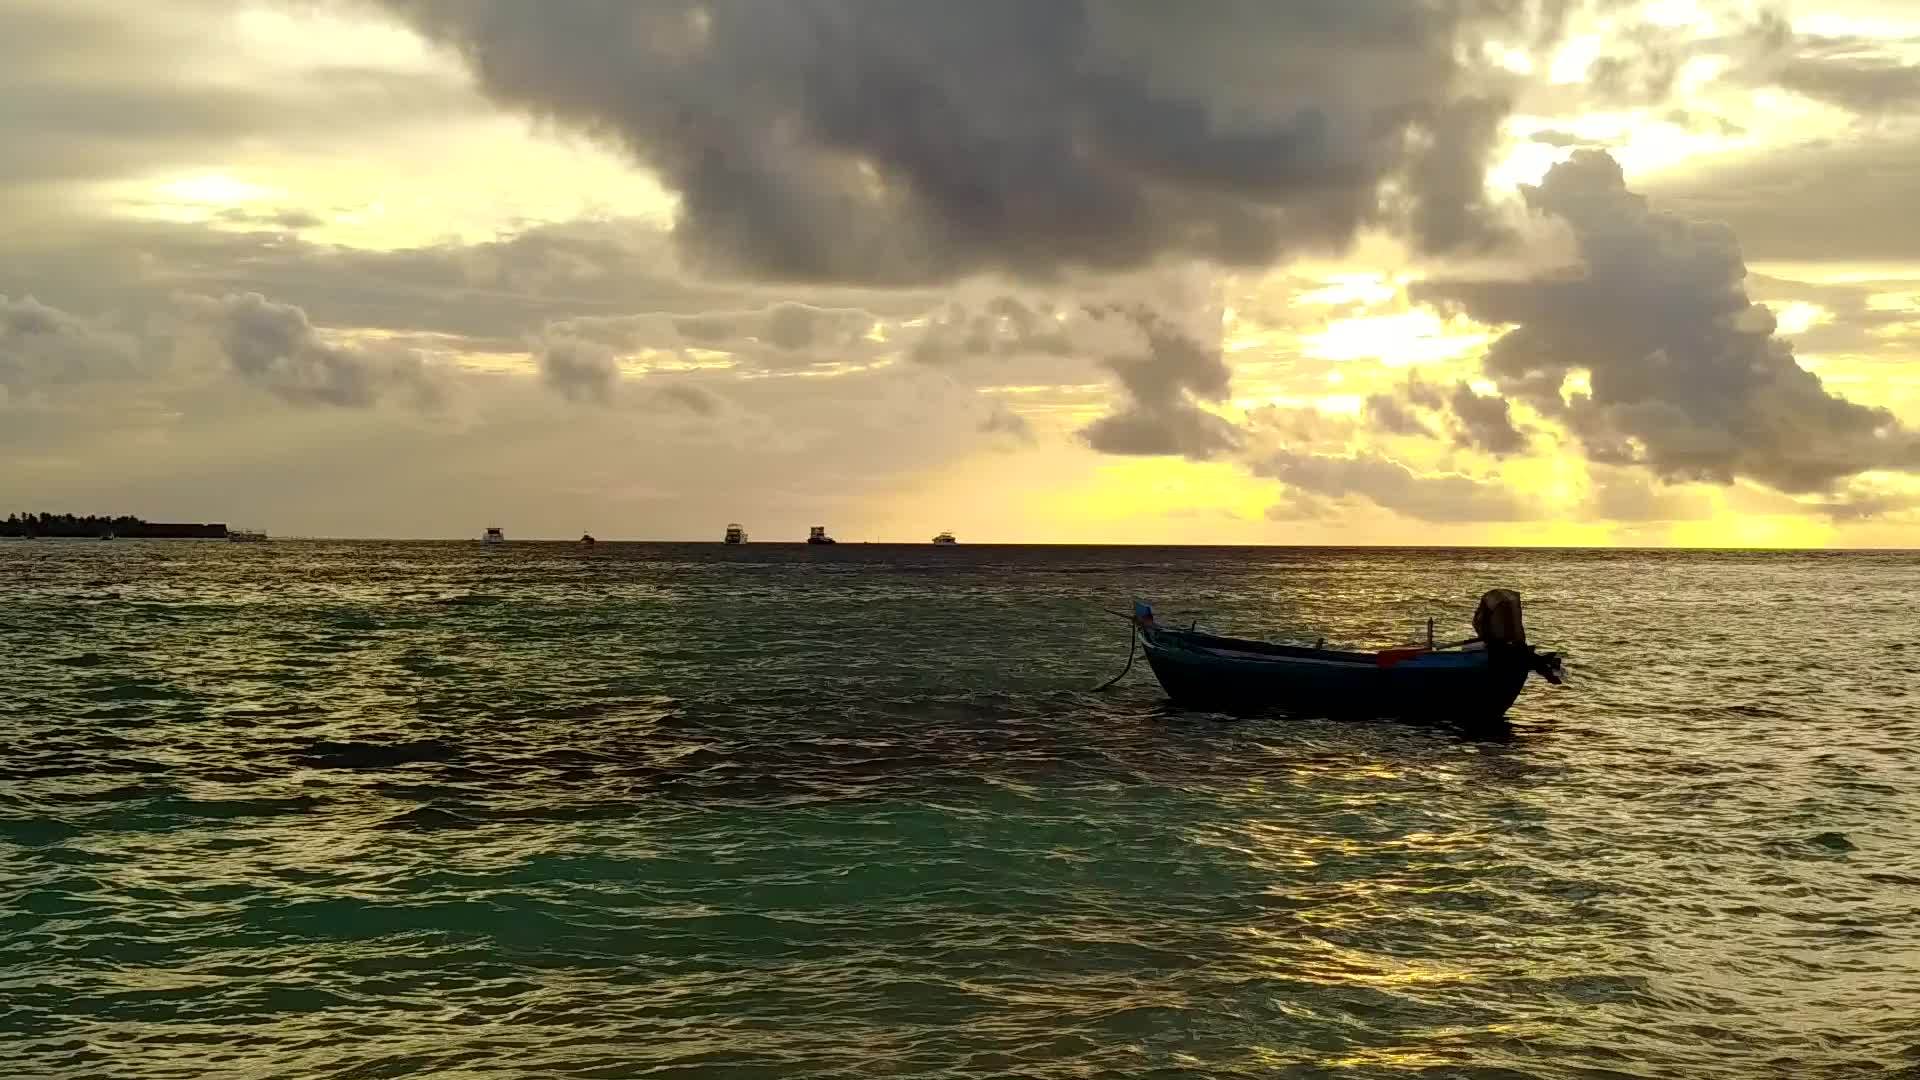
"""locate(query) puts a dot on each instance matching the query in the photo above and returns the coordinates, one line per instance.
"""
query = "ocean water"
(364, 810)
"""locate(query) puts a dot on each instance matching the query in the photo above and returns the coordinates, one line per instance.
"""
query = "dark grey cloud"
(1403, 410)
(1687, 376)
(1182, 429)
(488, 296)
(1865, 505)
(899, 141)
(494, 292)
(1393, 486)
(1694, 120)
(95, 90)
(1004, 421)
(1446, 179)
(1395, 416)
(787, 326)
(274, 346)
(579, 370)
(1639, 67)
(1485, 423)
(1165, 380)
(1824, 200)
(783, 336)
(43, 346)
(1857, 73)
(1558, 138)
(293, 219)
(1852, 322)
(1624, 496)
(1860, 80)
(694, 399)
(1003, 326)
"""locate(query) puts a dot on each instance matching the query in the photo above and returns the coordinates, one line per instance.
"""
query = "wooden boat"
(1475, 680)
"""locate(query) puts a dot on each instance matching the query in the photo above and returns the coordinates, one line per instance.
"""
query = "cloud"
(579, 370)
(42, 347)
(1687, 377)
(1485, 423)
(1865, 505)
(1004, 421)
(1623, 496)
(1164, 380)
(1859, 317)
(1822, 200)
(1393, 486)
(492, 295)
(1401, 412)
(1640, 67)
(1857, 73)
(291, 218)
(1003, 326)
(781, 337)
(1477, 421)
(786, 326)
(903, 141)
(1388, 413)
(95, 92)
(1558, 138)
(274, 346)
(694, 399)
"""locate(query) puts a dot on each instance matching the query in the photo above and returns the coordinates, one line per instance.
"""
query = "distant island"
(89, 525)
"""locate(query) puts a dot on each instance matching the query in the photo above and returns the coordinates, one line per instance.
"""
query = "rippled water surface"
(380, 810)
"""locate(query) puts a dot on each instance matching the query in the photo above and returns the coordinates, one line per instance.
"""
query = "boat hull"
(1218, 674)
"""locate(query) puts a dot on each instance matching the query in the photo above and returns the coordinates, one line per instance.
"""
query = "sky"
(1539, 272)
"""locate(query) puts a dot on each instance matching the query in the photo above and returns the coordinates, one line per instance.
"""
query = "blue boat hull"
(1204, 672)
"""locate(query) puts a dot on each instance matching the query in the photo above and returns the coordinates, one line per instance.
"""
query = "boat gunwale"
(1248, 651)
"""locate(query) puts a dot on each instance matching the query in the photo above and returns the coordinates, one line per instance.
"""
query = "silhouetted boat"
(494, 536)
(736, 535)
(247, 536)
(945, 538)
(818, 535)
(1475, 680)
(587, 540)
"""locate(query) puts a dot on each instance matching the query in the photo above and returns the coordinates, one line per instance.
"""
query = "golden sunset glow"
(407, 224)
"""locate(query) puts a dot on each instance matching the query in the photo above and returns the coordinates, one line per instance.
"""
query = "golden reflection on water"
(371, 809)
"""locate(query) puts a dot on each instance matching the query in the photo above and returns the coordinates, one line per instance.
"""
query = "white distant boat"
(945, 538)
(247, 536)
(736, 534)
(494, 536)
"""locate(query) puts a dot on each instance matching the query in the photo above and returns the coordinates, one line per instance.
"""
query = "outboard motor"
(1499, 623)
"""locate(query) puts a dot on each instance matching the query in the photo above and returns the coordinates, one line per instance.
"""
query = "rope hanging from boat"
(1133, 638)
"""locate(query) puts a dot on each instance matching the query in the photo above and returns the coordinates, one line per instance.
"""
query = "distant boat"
(494, 536)
(945, 538)
(736, 534)
(247, 536)
(108, 535)
(587, 540)
(1475, 680)
(818, 535)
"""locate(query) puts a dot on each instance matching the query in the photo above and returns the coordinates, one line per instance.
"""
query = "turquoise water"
(380, 810)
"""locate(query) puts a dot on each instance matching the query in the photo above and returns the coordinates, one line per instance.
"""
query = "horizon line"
(314, 538)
